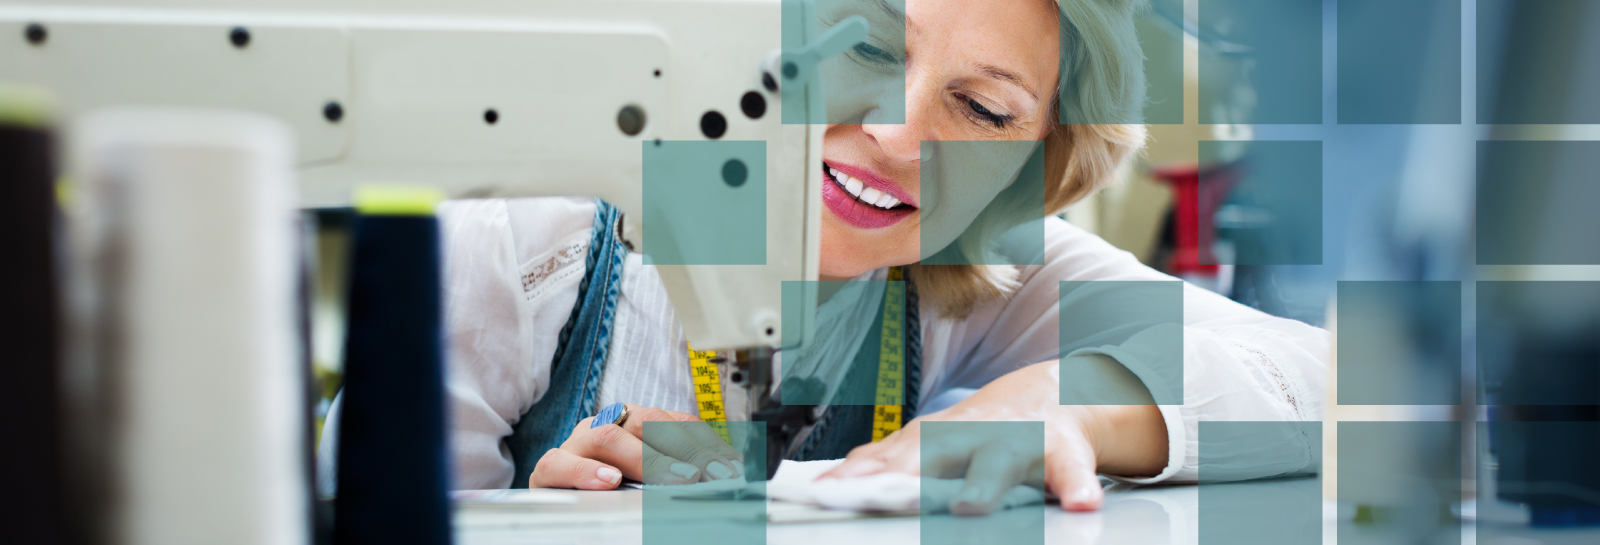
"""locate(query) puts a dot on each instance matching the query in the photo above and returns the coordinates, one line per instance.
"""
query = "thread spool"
(32, 465)
(392, 459)
(189, 221)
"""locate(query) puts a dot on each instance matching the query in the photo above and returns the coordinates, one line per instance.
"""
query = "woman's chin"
(848, 252)
(848, 265)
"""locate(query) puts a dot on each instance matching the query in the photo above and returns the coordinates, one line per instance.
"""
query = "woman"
(529, 281)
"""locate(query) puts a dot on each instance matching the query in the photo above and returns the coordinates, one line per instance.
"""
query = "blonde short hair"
(1101, 80)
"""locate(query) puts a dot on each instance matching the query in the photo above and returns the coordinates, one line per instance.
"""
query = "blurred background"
(1414, 175)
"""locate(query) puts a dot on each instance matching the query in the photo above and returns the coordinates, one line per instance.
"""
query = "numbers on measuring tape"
(891, 359)
(708, 390)
(890, 391)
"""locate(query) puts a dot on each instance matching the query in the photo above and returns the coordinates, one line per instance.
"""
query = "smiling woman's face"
(973, 71)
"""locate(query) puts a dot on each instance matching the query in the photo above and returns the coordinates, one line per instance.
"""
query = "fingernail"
(719, 470)
(974, 495)
(610, 476)
(1083, 494)
(682, 470)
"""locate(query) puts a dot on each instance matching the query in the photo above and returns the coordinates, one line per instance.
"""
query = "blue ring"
(607, 415)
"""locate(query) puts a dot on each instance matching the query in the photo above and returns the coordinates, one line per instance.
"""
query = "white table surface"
(1131, 515)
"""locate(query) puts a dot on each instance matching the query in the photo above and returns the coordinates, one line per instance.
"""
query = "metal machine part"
(481, 98)
(763, 397)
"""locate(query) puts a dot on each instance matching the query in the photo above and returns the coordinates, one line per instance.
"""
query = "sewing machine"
(487, 98)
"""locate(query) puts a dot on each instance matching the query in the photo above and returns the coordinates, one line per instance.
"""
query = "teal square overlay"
(1258, 483)
(1273, 216)
(826, 371)
(705, 513)
(1399, 342)
(1533, 463)
(1119, 75)
(1281, 40)
(1543, 69)
(976, 452)
(1402, 479)
(1536, 342)
(1138, 320)
(863, 84)
(1161, 41)
(705, 203)
(1536, 203)
(982, 203)
(1399, 61)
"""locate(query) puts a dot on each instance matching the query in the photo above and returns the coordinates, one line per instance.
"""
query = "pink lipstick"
(863, 199)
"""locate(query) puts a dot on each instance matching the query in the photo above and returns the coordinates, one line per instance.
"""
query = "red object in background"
(1196, 196)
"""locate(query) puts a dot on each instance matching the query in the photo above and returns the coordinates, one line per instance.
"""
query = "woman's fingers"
(662, 469)
(995, 469)
(611, 445)
(706, 435)
(561, 469)
(688, 441)
(637, 416)
(866, 459)
(717, 448)
(946, 454)
(1070, 472)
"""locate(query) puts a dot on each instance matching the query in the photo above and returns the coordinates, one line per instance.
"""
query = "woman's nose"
(903, 141)
(898, 142)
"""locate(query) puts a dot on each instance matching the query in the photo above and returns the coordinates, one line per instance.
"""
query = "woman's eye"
(873, 54)
(999, 121)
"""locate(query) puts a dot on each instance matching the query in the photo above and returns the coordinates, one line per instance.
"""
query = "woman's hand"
(685, 452)
(1079, 440)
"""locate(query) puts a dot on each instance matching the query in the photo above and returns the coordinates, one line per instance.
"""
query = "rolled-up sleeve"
(1237, 363)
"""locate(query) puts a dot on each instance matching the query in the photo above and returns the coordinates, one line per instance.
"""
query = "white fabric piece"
(1239, 363)
(884, 492)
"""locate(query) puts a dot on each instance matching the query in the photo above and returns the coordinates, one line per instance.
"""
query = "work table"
(1131, 515)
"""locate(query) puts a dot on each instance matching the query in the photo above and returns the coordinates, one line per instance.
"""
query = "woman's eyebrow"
(1001, 74)
(894, 12)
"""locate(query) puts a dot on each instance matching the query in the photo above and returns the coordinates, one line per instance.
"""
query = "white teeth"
(853, 185)
(861, 191)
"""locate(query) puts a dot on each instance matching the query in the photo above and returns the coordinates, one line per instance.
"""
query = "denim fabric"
(844, 427)
(580, 355)
(913, 352)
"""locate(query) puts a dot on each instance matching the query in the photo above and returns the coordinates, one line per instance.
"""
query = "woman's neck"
(828, 286)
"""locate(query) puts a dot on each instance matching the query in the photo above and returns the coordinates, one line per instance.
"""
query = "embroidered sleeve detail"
(558, 264)
(1291, 394)
(1289, 390)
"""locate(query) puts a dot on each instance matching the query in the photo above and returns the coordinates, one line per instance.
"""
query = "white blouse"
(512, 270)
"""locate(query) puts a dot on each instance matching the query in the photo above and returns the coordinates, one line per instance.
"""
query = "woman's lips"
(874, 181)
(854, 212)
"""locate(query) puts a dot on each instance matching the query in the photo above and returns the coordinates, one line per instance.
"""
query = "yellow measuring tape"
(891, 369)
(708, 390)
(891, 359)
